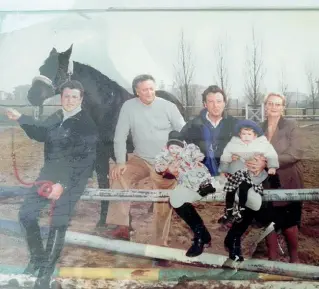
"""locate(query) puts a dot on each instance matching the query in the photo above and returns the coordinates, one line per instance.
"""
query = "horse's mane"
(110, 91)
(100, 78)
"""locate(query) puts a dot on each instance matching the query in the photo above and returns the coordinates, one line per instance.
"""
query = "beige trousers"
(118, 212)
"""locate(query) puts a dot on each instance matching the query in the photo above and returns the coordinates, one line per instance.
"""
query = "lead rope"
(44, 187)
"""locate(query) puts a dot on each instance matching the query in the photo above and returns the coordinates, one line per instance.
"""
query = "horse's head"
(54, 72)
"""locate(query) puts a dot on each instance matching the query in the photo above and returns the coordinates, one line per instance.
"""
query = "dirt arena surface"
(30, 158)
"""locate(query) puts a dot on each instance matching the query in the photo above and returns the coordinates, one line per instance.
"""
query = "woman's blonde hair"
(283, 98)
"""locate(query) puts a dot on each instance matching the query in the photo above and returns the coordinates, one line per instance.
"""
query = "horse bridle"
(50, 83)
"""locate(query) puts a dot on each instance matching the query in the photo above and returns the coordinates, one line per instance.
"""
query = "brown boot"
(272, 244)
(291, 235)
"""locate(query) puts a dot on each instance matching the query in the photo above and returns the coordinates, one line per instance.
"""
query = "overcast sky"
(125, 44)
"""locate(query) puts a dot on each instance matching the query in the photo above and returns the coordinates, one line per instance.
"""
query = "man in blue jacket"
(211, 130)
(69, 138)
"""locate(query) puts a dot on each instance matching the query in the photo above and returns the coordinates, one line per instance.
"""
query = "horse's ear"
(68, 52)
(53, 51)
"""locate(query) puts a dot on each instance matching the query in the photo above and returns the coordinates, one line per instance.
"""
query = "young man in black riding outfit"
(69, 137)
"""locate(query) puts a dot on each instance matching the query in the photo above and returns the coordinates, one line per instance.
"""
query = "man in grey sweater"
(149, 119)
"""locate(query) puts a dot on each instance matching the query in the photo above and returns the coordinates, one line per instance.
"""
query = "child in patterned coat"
(184, 162)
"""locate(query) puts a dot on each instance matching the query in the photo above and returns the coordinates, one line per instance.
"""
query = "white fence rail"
(92, 194)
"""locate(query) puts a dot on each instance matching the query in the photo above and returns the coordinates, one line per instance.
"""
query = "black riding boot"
(102, 169)
(233, 243)
(201, 235)
(36, 250)
(53, 250)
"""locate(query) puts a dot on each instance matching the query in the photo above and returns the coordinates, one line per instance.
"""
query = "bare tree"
(313, 87)
(222, 66)
(184, 72)
(162, 85)
(255, 71)
(283, 86)
(283, 82)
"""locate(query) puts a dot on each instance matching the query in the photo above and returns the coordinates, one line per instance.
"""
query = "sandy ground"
(29, 157)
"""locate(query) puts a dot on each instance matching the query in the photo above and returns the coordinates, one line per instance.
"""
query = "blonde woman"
(285, 136)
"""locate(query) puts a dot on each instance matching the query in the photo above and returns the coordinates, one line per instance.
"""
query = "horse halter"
(49, 82)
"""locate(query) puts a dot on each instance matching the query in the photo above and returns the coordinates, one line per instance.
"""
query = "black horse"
(103, 100)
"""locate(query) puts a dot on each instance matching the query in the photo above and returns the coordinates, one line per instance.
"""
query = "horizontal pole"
(152, 274)
(162, 195)
(148, 274)
(140, 195)
(26, 282)
(302, 271)
(172, 254)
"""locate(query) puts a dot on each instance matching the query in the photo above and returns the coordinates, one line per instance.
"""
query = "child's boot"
(202, 237)
(232, 244)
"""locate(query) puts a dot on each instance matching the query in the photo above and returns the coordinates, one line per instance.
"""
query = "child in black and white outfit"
(247, 143)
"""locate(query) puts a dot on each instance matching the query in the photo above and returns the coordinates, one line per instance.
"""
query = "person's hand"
(118, 171)
(272, 171)
(256, 165)
(206, 190)
(13, 114)
(56, 193)
(173, 168)
(225, 175)
(235, 157)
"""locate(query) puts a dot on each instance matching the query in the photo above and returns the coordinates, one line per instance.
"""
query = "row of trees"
(19, 94)
(254, 74)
